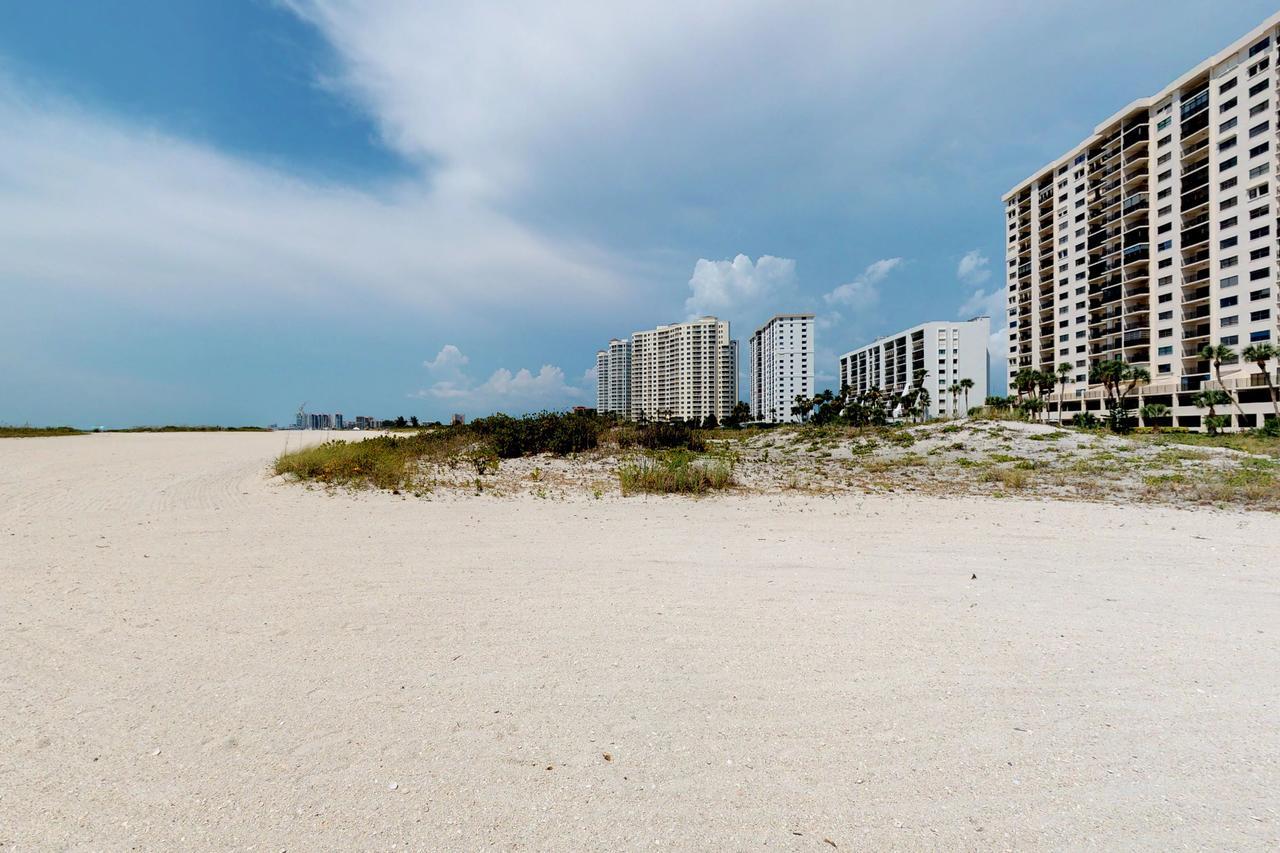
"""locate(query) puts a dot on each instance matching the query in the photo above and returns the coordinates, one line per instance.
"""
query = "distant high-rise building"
(950, 352)
(338, 422)
(613, 378)
(1155, 237)
(684, 371)
(781, 366)
(458, 419)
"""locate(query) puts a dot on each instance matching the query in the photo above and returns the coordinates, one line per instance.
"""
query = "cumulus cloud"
(740, 285)
(862, 292)
(449, 357)
(511, 391)
(974, 268)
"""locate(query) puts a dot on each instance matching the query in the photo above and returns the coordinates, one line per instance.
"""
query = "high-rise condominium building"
(950, 352)
(684, 371)
(1156, 236)
(781, 366)
(613, 378)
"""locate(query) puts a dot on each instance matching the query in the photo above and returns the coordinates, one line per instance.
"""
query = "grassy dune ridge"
(563, 455)
(420, 461)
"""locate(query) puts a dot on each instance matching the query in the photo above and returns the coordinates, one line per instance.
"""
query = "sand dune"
(197, 656)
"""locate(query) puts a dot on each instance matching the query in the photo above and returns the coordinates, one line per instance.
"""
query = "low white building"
(950, 351)
(781, 366)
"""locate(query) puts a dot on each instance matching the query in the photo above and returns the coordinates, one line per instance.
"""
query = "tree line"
(1120, 380)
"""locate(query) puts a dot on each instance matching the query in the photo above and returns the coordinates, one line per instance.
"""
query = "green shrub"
(669, 436)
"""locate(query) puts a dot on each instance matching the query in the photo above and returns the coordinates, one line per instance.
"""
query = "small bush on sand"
(1013, 478)
(675, 473)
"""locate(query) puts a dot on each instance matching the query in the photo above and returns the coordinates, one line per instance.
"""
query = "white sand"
(196, 656)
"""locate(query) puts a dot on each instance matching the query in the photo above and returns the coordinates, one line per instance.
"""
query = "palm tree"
(1218, 354)
(955, 400)
(1153, 412)
(803, 406)
(1032, 406)
(1063, 371)
(1260, 354)
(1210, 399)
(1044, 382)
(1024, 381)
(1118, 379)
(965, 385)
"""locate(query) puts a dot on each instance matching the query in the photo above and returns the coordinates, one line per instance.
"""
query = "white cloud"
(862, 291)
(739, 286)
(547, 383)
(974, 268)
(514, 392)
(980, 302)
(449, 357)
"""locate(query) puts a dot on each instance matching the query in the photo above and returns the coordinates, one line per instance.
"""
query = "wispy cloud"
(90, 204)
(863, 292)
(974, 268)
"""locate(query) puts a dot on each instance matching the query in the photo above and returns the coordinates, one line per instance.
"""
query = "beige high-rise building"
(1156, 236)
(684, 371)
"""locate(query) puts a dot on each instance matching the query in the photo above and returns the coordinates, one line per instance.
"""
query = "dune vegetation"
(37, 432)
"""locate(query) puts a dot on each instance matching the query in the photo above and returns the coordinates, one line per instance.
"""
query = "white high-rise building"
(613, 378)
(950, 351)
(1156, 236)
(684, 371)
(781, 366)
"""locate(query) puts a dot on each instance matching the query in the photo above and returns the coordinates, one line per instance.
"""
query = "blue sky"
(211, 212)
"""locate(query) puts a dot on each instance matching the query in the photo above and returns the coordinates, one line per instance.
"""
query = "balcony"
(1135, 135)
(1137, 254)
(1198, 257)
(1195, 199)
(1188, 150)
(1195, 236)
(1198, 178)
(1136, 339)
(1195, 124)
(1195, 104)
(1134, 202)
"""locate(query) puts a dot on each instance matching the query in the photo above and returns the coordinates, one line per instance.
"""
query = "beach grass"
(678, 472)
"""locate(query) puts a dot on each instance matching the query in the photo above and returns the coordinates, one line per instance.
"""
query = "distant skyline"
(212, 212)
